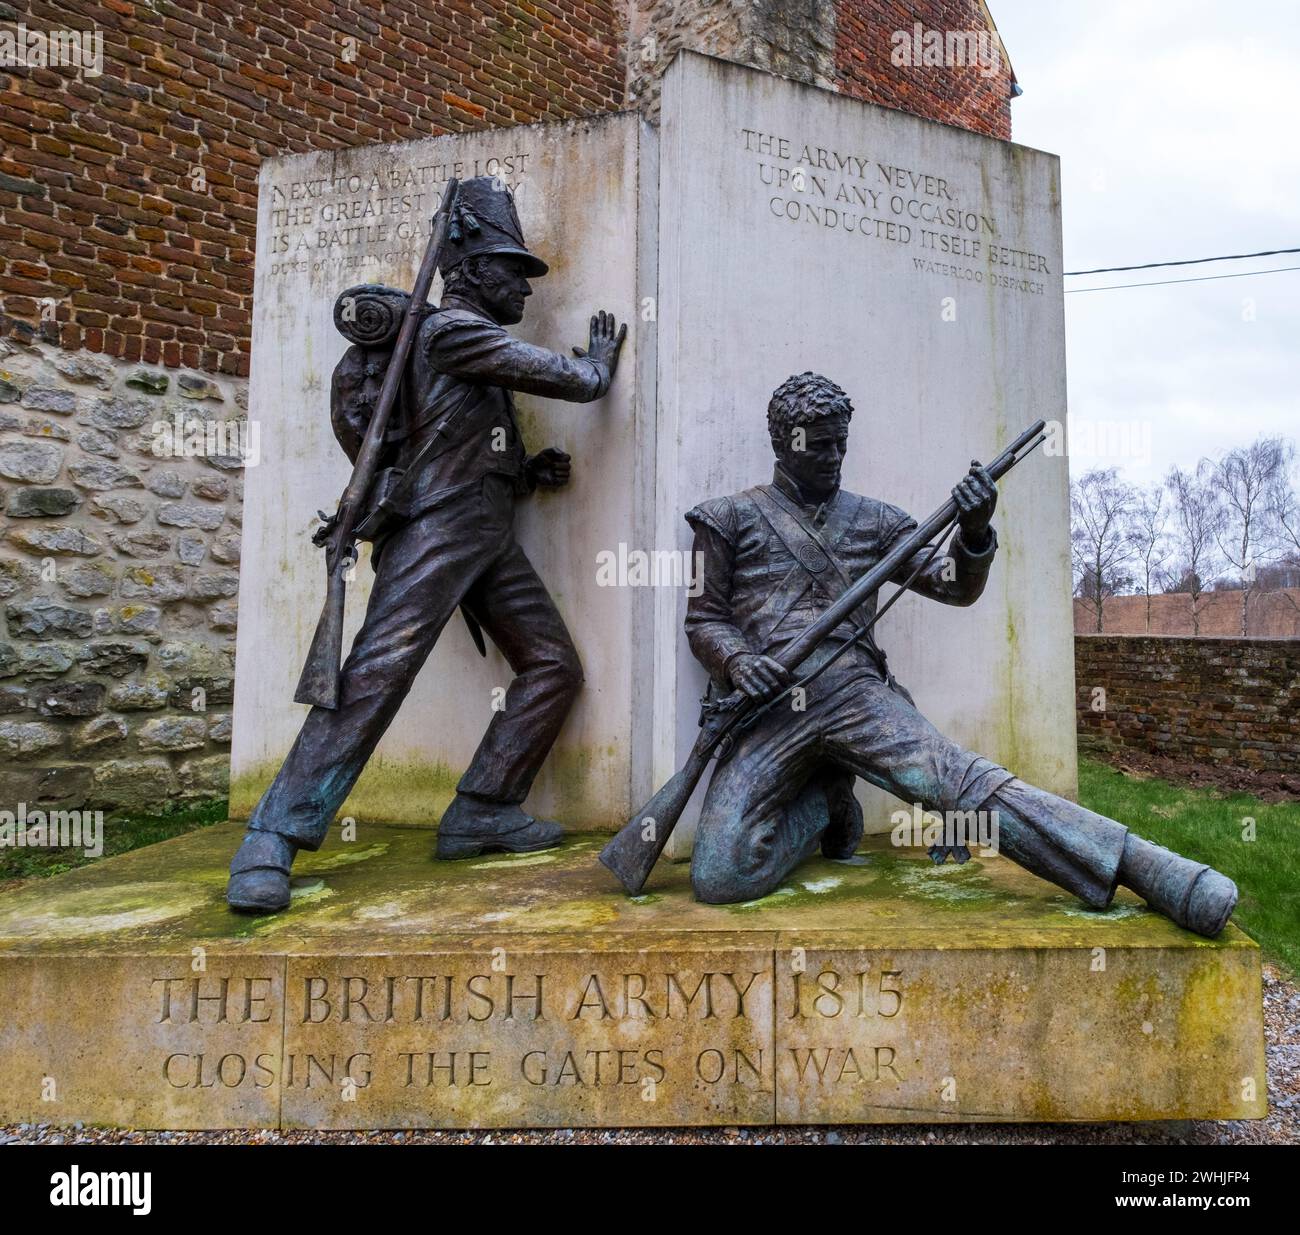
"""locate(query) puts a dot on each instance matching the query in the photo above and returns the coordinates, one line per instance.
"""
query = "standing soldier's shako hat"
(484, 222)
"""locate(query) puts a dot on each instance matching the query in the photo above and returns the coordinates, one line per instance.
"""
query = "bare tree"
(1148, 534)
(1284, 501)
(1284, 510)
(1196, 518)
(1245, 479)
(1101, 505)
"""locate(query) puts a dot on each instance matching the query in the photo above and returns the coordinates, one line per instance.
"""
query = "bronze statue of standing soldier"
(456, 467)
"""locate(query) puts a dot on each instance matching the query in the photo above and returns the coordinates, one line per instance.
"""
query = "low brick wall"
(1234, 701)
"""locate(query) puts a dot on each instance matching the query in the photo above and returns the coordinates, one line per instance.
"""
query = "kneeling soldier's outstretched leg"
(1192, 894)
(887, 741)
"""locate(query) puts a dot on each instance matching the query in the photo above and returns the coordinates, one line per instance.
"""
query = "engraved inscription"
(378, 218)
(873, 198)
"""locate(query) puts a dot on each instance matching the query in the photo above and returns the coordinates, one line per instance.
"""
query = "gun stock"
(632, 854)
(319, 683)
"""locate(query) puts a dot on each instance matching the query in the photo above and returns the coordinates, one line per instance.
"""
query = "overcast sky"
(1176, 124)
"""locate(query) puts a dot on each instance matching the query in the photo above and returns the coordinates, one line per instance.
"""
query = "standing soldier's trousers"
(461, 553)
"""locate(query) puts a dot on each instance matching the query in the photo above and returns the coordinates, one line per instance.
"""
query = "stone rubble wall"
(118, 584)
(793, 38)
(1229, 701)
(843, 45)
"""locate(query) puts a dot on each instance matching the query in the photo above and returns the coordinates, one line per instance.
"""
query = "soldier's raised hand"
(760, 677)
(605, 342)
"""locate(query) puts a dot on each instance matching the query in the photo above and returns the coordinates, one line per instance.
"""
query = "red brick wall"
(99, 212)
(97, 208)
(1227, 701)
(1270, 615)
(961, 95)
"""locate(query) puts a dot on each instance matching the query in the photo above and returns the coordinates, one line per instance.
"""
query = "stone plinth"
(525, 992)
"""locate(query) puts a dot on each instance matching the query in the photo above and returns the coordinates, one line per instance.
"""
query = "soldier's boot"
(1193, 895)
(844, 831)
(471, 826)
(259, 873)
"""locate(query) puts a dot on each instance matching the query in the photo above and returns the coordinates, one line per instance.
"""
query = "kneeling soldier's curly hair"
(801, 399)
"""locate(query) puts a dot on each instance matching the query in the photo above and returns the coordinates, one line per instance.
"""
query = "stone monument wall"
(577, 186)
(918, 266)
(764, 228)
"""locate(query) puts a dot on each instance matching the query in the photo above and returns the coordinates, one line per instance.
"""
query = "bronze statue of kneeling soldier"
(777, 559)
(422, 403)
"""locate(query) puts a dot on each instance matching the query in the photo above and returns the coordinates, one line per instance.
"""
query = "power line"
(1208, 278)
(1191, 261)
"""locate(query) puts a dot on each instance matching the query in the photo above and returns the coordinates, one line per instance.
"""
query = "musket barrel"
(802, 646)
(319, 683)
(363, 471)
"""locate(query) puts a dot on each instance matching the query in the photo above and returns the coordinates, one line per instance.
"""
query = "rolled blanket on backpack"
(370, 314)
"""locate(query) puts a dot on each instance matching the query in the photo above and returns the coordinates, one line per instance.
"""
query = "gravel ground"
(1282, 1127)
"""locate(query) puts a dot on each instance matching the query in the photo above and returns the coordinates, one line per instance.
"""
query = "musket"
(319, 683)
(633, 852)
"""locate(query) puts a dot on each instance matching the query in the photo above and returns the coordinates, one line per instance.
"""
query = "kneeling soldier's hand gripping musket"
(632, 854)
(319, 683)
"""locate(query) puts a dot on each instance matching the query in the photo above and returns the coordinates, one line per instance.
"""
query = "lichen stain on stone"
(943, 883)
(513, 860)
(764, 902)
(818, 886)
(388, 791)
(89, 912)
(572, 915)
(1116, 913)
(345, 858)
(384, 911)
(411, 793)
